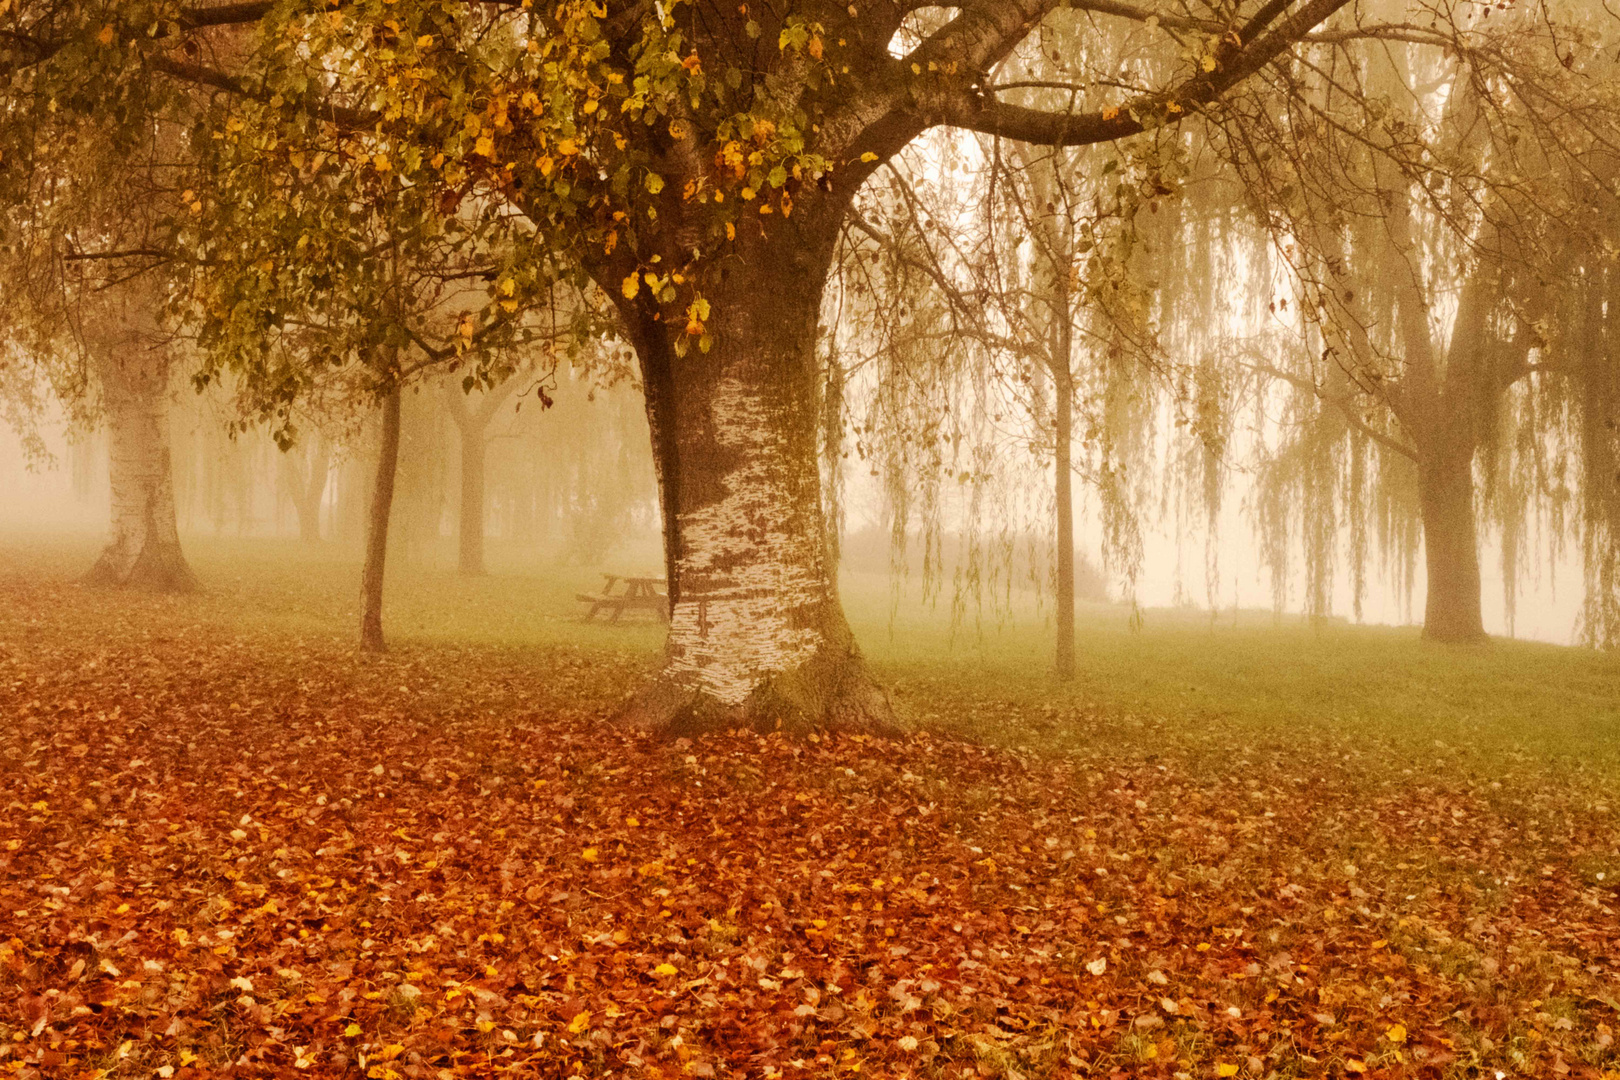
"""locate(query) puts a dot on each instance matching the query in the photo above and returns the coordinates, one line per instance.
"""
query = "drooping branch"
(1344, 403)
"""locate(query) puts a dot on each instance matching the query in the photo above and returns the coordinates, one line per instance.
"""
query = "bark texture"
(757, 635)
(382, 503)
(1446, 397)
(1451, 549)
(143, 548)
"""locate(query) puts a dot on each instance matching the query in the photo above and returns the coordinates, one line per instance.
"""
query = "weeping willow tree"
(1059, 308)
(1441, 194)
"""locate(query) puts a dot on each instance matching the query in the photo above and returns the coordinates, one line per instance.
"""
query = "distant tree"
(696, 162)
(88, 275)
(472, 429)
(1439, 199)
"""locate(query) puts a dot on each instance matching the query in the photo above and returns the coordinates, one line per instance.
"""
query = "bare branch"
(977, 111)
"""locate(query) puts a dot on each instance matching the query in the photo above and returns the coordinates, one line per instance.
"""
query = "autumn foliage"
(228, 853)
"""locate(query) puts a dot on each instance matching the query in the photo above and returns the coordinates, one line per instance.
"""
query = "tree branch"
(195, 18)
(977, 111)
(1341, 402)
(341, 115)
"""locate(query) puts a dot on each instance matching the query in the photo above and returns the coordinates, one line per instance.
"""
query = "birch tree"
(696, 162)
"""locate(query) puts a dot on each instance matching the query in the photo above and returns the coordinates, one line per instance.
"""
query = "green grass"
(1272, 685)
(1181, 685)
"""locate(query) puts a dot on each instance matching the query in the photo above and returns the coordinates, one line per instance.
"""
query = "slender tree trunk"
(143, 550)
(1062, 361)
(382, 502)
(757, 635)
(1064, 666)
(1450, 547)
(471, 555)
(311, 489)
(472, 426)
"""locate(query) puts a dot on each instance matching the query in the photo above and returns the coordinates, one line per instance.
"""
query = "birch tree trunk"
(757, 635)
(382, 502)
(143, 548)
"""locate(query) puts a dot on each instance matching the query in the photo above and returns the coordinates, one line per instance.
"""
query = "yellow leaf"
(1111, 113)
(186, 1058)
(568, 147)
(352, 1030)
(631, 286)
(664, 969)
(1396, 1033)
(1209, 63)
(382, 163)
(485, 1026)
(731, 231)
(390, 1052)
(1226, 1069)
(579, 1023)
(485, 146)
(1354, 1066)
(869, 156)
(425, 41)
(107, 36)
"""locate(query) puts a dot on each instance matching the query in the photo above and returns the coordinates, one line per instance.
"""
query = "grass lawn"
(1252, 848)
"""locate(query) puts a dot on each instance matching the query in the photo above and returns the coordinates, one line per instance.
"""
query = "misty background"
(571, 488)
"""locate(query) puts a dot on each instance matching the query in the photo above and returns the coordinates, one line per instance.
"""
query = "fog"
(556, 505)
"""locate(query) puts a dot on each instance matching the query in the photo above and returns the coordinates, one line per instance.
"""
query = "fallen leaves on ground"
(226, 853)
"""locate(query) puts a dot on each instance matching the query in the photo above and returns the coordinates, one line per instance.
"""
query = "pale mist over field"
(238, 489)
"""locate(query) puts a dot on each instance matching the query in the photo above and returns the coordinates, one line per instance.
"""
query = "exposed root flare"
(828, 693)
(156, 569)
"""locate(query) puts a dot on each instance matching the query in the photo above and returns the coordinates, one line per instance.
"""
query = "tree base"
(823, 695)
(1450, 635)
(153, 570)
(371, 636)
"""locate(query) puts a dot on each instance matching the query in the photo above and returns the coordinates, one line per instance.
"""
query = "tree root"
(153, 570)
(829, 693)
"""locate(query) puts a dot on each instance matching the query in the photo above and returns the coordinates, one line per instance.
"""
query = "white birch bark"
(752, 585)
(143, 544)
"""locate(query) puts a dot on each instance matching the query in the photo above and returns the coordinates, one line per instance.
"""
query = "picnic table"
(638, 594)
